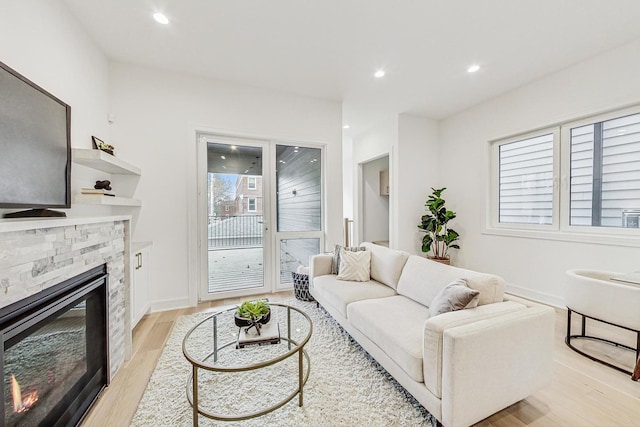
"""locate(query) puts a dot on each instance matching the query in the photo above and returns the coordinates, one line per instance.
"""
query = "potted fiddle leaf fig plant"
(439, 237)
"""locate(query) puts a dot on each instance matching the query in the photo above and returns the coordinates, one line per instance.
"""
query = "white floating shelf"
(99, 199)
(105, 162)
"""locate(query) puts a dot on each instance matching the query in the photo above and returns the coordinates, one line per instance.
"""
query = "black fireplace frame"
(17, 318)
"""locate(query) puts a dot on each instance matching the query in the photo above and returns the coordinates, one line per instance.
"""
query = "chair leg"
(636, 371)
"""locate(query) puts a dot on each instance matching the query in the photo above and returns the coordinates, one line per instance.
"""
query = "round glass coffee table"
(238, 375)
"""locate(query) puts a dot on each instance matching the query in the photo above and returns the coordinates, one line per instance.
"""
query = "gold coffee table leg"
(195, 396)
(300, 380)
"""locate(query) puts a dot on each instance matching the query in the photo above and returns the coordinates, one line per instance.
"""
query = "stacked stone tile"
(32, 260)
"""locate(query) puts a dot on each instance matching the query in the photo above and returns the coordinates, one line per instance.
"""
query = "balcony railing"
(235, 231)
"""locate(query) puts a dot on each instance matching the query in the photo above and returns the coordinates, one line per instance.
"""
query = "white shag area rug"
(346, 386)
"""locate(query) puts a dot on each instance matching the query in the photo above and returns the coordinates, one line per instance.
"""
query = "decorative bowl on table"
(252, 314)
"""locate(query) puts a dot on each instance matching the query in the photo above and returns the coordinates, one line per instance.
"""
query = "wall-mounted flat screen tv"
(35, 146)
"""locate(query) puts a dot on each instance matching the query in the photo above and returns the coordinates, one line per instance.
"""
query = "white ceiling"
(331, 48)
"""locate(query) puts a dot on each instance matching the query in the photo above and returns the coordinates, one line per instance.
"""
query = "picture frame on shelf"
(102, 146)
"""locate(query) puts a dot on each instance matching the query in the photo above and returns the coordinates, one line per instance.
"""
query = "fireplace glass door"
(54, 358)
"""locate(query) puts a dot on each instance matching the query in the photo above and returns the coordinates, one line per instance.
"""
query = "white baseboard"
(170, 304)
(543, 297)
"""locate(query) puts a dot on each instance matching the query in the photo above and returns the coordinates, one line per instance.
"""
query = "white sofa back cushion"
(423, 279)
(386, 264)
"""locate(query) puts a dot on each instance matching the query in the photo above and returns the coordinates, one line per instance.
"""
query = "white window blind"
(605, 173)
(526, 181)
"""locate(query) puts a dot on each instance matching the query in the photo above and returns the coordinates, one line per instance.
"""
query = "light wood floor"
(583, 392)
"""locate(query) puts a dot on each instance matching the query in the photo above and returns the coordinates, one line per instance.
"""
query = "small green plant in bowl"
(253, 314)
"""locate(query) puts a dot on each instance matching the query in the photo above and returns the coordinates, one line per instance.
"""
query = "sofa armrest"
(493, 363)
(319, 265)
(434, 333)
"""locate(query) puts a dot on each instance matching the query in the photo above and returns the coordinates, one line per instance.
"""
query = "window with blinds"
(526, 181)
(605, 173)
(574, 176)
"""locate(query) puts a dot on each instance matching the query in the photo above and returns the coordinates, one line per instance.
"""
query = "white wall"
(416, 172)
(347, 177)
(533, 267)
(43, 42)
(156, 115)
(411, 142)
(373, 144)
(375, 212)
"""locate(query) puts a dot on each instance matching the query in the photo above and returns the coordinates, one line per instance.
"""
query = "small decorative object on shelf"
(103, 185)
(101, 145)
(253, 314)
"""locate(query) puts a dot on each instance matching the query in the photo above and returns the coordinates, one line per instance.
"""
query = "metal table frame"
(192, 382)
(583, 335)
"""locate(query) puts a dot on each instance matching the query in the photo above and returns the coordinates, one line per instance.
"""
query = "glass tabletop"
(214, 342)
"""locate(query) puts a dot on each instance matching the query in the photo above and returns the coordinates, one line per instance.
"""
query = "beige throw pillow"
(335, 264)
(355, 266)
(457, 295)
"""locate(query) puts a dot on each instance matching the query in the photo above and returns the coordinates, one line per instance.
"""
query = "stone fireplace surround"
(38, 253)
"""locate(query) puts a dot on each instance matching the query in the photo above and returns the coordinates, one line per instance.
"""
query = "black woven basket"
(301, 287)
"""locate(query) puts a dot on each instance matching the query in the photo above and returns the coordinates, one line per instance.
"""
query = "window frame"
(249, 181)
(560, 229)
(494, 199)
(255, 204)
(565, 155)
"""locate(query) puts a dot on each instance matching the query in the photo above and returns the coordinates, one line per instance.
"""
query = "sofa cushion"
(386, 264)
(396, 325)
(354, 266)
(339, 293)
(422, 279)
(455, 296)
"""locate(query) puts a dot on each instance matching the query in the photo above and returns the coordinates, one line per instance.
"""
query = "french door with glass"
(260, 209)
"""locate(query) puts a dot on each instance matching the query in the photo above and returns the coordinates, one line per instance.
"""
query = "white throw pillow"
(355, 266)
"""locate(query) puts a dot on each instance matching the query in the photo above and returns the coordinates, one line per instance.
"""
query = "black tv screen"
(35, 145)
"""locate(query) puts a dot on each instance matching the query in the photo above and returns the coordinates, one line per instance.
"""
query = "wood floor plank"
(157, 336)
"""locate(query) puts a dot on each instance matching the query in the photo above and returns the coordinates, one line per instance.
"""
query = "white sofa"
(462, 366)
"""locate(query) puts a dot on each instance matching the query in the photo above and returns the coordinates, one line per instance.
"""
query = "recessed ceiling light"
(161, 18)
(346, 127)
(223, 157)
(473, 68)
(379, 74)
